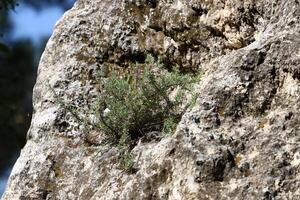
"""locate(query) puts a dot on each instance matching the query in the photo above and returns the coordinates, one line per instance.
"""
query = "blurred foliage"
(16, 80)
(65, 4)
(5, 27)
(7, 4)
(4, 49)
(11, 4)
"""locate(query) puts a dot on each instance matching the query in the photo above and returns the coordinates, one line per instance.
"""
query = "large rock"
(241, 139)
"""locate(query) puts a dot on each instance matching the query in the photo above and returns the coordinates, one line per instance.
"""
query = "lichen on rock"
(239, 141)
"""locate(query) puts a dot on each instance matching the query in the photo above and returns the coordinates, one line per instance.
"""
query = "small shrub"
(141, 104)
(138, 102)
(135, 103)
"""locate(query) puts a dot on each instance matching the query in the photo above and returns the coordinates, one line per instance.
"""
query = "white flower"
(105, 112)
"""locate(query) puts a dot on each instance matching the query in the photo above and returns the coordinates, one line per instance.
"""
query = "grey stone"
(240, 141)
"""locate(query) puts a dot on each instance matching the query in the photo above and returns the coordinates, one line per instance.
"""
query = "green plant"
(135, 103)
(126, 158)
(169, 125)
(140, 104)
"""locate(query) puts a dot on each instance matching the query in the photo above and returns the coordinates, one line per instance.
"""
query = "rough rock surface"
(240, 141)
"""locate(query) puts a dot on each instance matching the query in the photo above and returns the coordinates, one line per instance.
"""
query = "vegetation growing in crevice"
(138, 102)
(143, 99)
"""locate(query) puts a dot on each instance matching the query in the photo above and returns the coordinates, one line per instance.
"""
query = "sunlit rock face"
(240, 140)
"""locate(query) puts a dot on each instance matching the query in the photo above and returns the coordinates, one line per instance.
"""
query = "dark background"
(25, 27)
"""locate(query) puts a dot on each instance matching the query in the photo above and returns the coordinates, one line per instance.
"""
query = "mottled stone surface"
(240, 141)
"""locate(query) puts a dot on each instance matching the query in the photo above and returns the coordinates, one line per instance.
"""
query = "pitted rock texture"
(240, 140)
